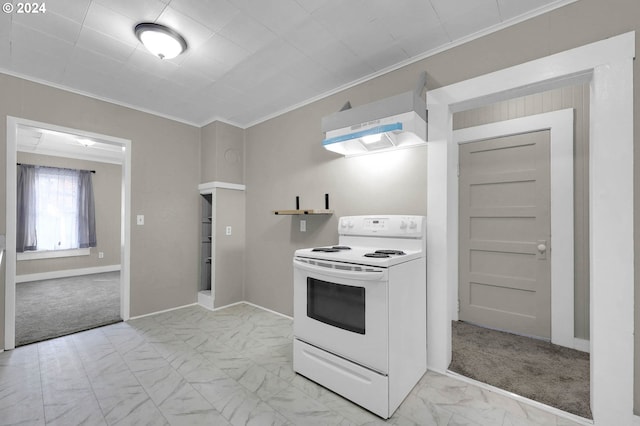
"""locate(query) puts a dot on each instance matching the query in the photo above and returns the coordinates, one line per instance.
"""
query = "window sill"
(51, 254)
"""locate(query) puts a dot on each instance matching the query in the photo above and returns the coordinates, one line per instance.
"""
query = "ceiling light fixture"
(162, 41)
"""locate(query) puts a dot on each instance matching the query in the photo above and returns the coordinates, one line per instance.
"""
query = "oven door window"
(338, 305)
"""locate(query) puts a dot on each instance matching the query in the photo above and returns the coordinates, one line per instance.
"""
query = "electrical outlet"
(227, 230)
(303, 225)
(140, 219)
(100, 255)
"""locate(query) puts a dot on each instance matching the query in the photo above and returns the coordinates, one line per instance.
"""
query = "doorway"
(122, 148)
(518, 192)
(607, 66)
(555, 264)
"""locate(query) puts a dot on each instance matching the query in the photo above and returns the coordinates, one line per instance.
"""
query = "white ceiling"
(247, 60)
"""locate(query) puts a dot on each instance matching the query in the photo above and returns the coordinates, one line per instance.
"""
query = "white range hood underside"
(388, 124)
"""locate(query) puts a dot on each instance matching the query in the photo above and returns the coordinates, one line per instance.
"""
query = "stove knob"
(343, 224)
(403, 224)
(350, 224)
(413, 224)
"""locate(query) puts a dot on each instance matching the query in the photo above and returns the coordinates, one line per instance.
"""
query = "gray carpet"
(53, 308)
(538, 370)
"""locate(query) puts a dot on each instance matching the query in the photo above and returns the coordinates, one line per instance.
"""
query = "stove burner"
(376, 255)
(333, 249)
(398, 252)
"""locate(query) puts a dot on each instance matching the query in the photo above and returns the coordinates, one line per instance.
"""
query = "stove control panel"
(375, 224)
(389, 225)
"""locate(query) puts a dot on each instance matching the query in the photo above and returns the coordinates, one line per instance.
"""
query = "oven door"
(342, 308)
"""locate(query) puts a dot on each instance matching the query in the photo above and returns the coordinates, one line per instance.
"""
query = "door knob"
(542, 249)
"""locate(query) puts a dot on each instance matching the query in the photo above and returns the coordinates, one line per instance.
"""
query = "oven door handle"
(376, 275)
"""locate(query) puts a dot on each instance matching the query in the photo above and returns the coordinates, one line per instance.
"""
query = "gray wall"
(229, 259)
(222, 156)
(165, 174)
(576, 97)
(285, 159)
(107, 187)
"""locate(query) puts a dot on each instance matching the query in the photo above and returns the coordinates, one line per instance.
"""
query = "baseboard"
(636, 420)
(435, 370)
(214, 309)
(162, 311)
(205, 299)
(219, 308)
(581, 345)
(244, 302)
(50, 275)
(250, 304)
(267, 309)
(185, 306)
(536, 404)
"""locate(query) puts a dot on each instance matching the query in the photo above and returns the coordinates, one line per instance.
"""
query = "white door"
(504, 232)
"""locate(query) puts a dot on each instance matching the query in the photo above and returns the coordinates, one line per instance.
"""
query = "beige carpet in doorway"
(538, 370)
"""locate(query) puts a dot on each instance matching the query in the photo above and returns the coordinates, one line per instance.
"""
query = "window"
(55, 209)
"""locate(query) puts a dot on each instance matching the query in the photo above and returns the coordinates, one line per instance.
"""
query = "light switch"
(303, 225)
(227, 230)
(140, 219)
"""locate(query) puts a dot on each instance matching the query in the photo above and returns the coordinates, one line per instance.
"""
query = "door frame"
(608, 67)
(560, 126)
(11, 204)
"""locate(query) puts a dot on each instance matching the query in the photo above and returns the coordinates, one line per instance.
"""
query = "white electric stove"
(360, 310)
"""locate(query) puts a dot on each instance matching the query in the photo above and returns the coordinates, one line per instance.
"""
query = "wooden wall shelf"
(303, 211)
(299, 211)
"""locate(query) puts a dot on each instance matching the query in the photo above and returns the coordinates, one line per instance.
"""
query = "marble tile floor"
(192, 366)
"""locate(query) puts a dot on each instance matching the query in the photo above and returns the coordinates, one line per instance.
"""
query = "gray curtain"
(86, 211)
(26, 237)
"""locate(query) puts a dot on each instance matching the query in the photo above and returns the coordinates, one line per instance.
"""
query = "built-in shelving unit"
(212, 212)
(205, 296)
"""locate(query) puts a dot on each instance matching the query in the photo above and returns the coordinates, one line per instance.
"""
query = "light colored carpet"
(53, 308)
(541, 371)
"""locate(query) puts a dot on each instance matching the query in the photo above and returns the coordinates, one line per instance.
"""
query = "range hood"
(396, 122)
